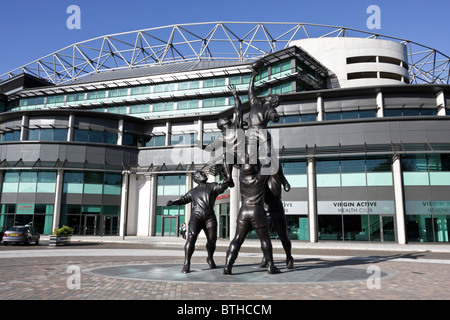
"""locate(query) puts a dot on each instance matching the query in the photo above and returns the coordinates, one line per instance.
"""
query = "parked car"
(21, 234)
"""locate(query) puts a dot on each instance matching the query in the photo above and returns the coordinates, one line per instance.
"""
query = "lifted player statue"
(203, 198)
(229, 140)
(252, 182)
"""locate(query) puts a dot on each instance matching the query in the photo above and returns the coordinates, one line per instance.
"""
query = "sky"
(31, 29)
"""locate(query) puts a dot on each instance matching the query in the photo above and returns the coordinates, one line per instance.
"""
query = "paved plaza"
(142, 269)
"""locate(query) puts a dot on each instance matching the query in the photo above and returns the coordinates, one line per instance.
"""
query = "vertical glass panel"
(33, 134)
(46, 135)
(374, 228)
(81, 135)
(27, 176)
(59, 134)
(95, 136)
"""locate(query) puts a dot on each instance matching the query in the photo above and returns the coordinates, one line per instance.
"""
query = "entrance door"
(387, 228)
(170, 226)
(90, 225)
(110, 225)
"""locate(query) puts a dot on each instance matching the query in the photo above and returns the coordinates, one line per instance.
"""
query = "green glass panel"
(91, 209)
(28, 187)
(328, 180)
(111, 210)
(114, 190)
(415, 178)
(46, 187)
(9, 187)
(48, 224)
(439, 178)
(297, 180)
(73, 188)
(379, 179)
(158, 225)
(93, 188)
(353, 179)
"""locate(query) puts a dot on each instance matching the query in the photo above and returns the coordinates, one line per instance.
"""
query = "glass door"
(90, 225)
(110, 225)
(170, 226)
(387, 228)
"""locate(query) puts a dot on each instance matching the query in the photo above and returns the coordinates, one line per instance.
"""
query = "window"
(10, 136)
(164, 87)
(81, 135)
(188, 85)
(47, 134)
(350, 114)
(281, 68)
(214, 102)
(163, 106)
(209, 137)
(242, 79)
(214, 82)
(156, 141)
(409, 112)
(142, 108)
(116, 93)
(182, 139)
(188, 104)
(282, 88)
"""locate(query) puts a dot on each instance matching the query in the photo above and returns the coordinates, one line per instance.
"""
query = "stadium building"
(101, 134)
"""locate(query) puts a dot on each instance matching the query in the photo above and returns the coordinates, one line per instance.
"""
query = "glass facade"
(427, 183)
(169, 219)
(350, 207)
(40, 216)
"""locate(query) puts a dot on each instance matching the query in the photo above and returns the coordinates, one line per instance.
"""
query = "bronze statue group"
(259, 185)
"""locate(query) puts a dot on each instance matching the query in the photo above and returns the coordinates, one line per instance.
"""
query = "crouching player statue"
(203, 198)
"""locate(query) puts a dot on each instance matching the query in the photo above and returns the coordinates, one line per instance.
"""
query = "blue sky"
(31, 29)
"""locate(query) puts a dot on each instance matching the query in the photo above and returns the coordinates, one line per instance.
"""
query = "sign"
(356, 207)
(427, 207)
(295, 207)
(25, 208)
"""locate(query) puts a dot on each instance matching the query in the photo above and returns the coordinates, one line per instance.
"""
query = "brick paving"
(46, 278)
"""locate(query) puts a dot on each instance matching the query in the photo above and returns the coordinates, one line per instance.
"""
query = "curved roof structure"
(209, 41)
